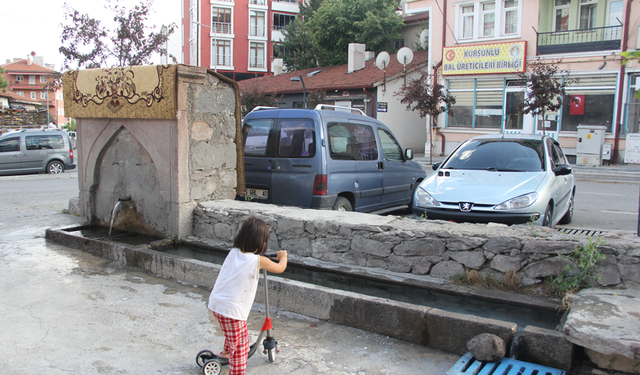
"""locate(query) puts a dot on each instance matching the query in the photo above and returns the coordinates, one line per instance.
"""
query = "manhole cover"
(467, 364)
(583, 232)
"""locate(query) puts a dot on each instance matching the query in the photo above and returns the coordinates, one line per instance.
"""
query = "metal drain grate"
(467, 365)
(584, 232)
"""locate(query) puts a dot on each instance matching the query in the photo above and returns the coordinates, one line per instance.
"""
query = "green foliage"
(315, 97)
(296, 48)
(573, 279)
(424, 97)
(253, 97)
(545, 88)
(70, 126)
(87, 44)
(630, 55)
(3, 84)
(337, 23)
(307, 8)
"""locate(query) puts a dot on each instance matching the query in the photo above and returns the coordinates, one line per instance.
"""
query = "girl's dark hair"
(253, 236)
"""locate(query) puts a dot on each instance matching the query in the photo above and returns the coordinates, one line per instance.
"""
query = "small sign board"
(382, 106)
(632, 149)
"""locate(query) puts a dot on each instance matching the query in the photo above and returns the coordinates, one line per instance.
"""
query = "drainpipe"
(371, 101)
(625, 31)
(435, 77)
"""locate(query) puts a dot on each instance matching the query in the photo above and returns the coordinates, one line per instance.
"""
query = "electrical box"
(589, 145)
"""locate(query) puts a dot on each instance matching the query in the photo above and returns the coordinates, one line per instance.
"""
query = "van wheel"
(342, 204)
(55, 167)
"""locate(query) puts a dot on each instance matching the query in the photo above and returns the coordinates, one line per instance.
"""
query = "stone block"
(504, 263)
(368, 246)
(290, 228)
(534, 346)
(447, 270)
(427, 246)
(550, 247)
(499, 245)
(470, 259)
(608, 272)
(613, 362)
(464, 243)
(299, 246)
(547, 267)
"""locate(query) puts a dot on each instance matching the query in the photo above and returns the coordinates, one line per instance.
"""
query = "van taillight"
(71, 154)
(320, 185)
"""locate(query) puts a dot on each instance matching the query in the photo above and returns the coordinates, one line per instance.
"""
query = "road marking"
(620, 212)
(588, 192)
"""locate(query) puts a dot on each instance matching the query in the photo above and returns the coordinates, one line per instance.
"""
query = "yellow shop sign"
(485, 59)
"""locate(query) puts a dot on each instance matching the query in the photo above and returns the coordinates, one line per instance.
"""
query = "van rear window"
(255, 134)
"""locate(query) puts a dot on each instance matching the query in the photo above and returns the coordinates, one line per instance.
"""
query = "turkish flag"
(577, 105)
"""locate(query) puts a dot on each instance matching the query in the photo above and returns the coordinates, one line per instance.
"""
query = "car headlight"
(518, 202)
(425, 199)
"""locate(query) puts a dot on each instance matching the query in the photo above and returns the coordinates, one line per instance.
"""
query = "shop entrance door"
(515, 121)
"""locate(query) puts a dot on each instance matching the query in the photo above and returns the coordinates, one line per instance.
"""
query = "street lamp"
(215, 62)
(304, 91)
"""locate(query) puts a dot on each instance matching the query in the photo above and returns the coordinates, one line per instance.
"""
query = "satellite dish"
(382, 61)
(424, 38)
(405, 55)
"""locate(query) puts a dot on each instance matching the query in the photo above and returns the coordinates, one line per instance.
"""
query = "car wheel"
(55, 167)
(568, 216)
(342, 204)
(547, 218)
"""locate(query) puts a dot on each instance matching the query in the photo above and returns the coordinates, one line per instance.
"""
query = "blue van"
(326, 158)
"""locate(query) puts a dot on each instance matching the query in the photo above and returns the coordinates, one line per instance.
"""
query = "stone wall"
(433, 248)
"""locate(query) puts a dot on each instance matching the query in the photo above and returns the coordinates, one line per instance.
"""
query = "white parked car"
(510, 179)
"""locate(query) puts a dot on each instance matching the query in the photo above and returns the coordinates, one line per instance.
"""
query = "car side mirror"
(562, 170)
(435, 166)
(408, 154)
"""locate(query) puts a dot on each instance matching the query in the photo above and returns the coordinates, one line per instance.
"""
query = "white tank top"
(235, 288)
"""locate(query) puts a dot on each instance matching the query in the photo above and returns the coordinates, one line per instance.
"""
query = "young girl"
(235, 289)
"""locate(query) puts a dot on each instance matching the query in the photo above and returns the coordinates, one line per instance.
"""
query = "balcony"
(221, 27)
(581, 40)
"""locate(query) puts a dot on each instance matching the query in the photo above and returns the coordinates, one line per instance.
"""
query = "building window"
(44, 95)
(256, 23)
(598, 94)
(33, 95)
(21, 93)
(280, 21)
(479, 104)
(194, 26)
(20, 78)
(561, 12)
(32, 80)
(256, 55)
(488, 19)
(43, 79)
(467, 21)
(221, 52)
(483, 20)
(258, 2)
(632, 124)
(510, 17)
(221, 20)
(588, 12)
(193, 56)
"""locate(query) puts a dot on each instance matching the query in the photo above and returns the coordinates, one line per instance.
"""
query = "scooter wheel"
(204, 356)
(211, 367)
(271, 353)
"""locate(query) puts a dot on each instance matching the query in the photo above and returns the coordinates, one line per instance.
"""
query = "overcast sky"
(35, 25)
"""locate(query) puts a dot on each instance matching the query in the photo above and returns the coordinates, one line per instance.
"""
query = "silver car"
(35, 151)
(510, 179)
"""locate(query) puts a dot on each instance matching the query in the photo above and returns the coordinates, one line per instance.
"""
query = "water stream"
(521, 315)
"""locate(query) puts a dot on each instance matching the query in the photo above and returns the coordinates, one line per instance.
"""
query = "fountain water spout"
(115, 209)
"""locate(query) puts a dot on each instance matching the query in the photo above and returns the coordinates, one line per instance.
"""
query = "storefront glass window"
(489, 99)
(633, 107)
(587, 107)
(460, 115)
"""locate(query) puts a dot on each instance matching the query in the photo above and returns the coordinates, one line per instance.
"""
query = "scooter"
(211, 364)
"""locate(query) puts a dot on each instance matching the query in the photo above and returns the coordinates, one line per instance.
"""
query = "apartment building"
(477, 48)
(234, 37)
(29, 78)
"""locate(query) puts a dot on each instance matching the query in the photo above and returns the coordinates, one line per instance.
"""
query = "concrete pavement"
(65, 311)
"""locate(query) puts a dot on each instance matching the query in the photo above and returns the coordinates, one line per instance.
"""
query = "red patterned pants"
(236, 343)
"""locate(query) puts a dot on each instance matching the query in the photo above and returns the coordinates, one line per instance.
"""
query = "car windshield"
(503, 155)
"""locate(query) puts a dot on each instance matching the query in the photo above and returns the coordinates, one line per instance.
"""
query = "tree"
(429, 99)
(315, 98)
(545, 89)
(297, 49)
(253, 97)
(307, 8)
(87, 44)
(3, 84)
(340, 22)
(630, 55)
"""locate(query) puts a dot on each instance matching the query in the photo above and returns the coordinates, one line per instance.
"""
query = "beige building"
(479, 47)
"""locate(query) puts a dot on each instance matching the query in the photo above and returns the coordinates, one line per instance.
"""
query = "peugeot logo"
(466, 206)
